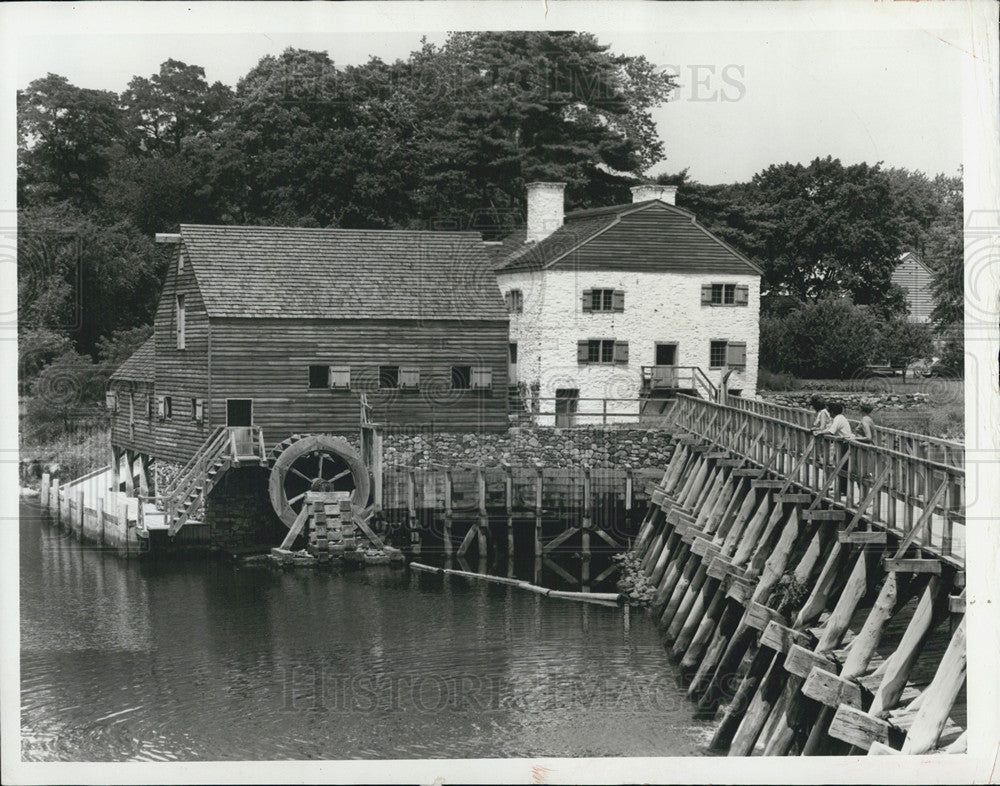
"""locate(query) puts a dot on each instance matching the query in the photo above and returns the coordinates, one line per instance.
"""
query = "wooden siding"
(181, 374)
(656, 239)
(268, 360)
(144, 438)
(915, 279)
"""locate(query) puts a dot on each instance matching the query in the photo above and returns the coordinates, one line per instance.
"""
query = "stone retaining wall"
(525, 446)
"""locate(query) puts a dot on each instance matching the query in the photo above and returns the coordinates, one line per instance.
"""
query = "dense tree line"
(447, 137)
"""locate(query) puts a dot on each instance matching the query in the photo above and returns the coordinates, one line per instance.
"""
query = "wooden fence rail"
(921, 499)
(921, 446)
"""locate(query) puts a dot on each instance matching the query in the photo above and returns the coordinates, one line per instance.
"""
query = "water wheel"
(317, 462)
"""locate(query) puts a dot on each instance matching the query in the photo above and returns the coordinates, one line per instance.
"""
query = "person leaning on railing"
(822, 419)
(866, 428)
(840, 430)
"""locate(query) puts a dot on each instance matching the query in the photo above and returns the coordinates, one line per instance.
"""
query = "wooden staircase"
(224, 448)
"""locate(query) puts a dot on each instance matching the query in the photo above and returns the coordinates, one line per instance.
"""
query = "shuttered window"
(603, 300)
(736, 354)
(388, 376)
(111, 401)
(602, 350)
(461, 377)
(482, 378)
(198, 410)
(319, 377)
(409, 377)
(722, 294)
(340, 376)
(149, 407)
(728, 353)
(514, 299)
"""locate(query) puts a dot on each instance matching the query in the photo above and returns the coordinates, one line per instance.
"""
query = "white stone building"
(615, 308)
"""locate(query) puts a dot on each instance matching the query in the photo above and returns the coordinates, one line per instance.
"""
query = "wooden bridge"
(811, 589)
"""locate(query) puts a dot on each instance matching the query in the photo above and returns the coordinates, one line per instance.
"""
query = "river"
(203, 660)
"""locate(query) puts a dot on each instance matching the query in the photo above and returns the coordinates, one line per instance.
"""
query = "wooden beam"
(858, 728)
(831, 690)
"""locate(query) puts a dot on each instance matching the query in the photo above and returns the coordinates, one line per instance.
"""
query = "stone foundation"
(238, 510)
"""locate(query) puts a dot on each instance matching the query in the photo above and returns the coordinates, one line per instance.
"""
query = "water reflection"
(203, 660)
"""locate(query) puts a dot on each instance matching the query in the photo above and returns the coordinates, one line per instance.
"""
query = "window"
(513, 352)
(388, 376)
(180, 261)
(149, 407)
(319, 377)
(482, 378)
(339, 376)
(409, 378)
(164, 407)
(111, 401)
(198, 410)
(131, 409)
(180, 321)
(724, 294)
(461, 377)
(717, 354)
(514, 299)
(168, 407)
(602, 350)
(728, 353)
(603, 300)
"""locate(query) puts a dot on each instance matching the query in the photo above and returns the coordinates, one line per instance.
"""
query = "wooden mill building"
(283, 329)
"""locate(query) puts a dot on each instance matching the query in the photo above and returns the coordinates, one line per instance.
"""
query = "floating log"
(598, 597)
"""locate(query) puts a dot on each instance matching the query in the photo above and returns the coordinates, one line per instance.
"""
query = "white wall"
(659, 307)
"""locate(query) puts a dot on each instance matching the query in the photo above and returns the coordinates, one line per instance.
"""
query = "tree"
(83, 279)
(901, 342)
(821, 231)
(172, 105)
(66, 135)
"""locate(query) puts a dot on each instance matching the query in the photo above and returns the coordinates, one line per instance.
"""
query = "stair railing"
(171, 487)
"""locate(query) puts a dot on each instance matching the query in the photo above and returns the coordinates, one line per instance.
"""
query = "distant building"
(915, 279)
(613, 306)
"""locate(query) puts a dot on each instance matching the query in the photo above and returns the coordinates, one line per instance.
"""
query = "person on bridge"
(866, 430)
(822, 420)
(840, 426)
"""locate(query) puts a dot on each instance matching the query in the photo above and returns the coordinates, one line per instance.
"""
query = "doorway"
(666, 354)
(566, 403)
(239, 412)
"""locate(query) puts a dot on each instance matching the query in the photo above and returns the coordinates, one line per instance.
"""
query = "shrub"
(769, 380)
(832, 338)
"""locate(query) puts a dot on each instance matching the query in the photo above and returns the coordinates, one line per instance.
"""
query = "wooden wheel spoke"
(306, 479)
(322, 456)
(296, 498)
(339, 475)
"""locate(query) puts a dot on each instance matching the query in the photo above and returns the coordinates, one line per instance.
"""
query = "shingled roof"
(650, 235)
(140, 365)
(282, 272)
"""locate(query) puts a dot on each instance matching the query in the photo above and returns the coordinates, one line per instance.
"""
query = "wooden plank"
(296, 528)
(956, 604)
(793, 497)
(780, 637)
(767, 484)
(831, 690)
(758, 616)
(823, 515)
(914, 565)
(801, 661)
(865, 538)
(748, 472)
(559, 539)
(858, 728)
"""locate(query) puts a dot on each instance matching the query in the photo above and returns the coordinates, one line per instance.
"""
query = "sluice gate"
(811, 589)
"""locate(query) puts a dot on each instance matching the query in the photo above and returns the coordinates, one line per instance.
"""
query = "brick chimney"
(644, 193)
(545, 210)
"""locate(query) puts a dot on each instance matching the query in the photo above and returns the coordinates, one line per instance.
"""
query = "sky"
(745, 100)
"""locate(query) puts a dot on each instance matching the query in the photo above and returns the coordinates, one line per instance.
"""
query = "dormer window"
(180, 260)
(180, 321)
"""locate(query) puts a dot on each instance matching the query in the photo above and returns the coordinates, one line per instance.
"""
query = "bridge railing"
(902, 493)
(923, 446)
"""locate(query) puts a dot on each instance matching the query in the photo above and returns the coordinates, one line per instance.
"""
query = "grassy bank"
(67, 451)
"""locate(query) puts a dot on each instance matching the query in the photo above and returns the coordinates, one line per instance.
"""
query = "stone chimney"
(644, 193)
(545, 210)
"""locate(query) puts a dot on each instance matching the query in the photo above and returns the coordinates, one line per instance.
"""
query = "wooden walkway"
(811, 590)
